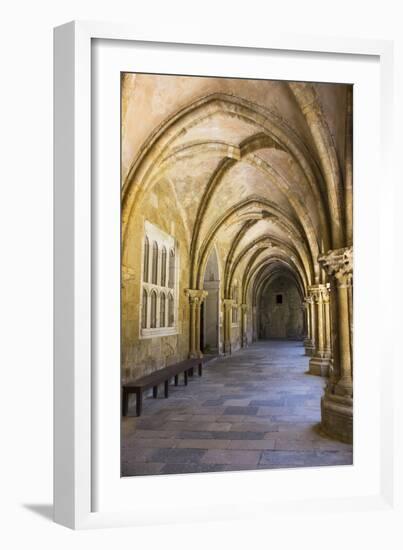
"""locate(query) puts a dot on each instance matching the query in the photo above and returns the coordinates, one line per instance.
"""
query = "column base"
(319, 366)
(195, 355)
(227, 348)
(309, 347)
(337, 417)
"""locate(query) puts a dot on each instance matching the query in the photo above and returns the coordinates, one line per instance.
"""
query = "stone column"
(228, 304)
(337, 403)
(196, 298)
(254, 324)
(244, 324)
(328, 329)
(319, 363)
(309, 341)
(312, 314)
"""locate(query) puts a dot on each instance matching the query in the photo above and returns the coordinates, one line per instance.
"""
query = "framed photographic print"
(218, 224)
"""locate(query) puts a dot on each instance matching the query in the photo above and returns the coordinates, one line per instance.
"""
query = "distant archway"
(280, 312)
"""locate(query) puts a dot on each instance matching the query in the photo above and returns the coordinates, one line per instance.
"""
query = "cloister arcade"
(237, 225)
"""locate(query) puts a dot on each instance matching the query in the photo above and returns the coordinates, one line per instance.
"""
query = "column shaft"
(196, 298)
(337, 402)
(192, 344)
(319, 364)
(345, 384)
(227, 303)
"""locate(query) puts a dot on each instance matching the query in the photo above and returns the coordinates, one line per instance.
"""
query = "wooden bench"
(156, 378)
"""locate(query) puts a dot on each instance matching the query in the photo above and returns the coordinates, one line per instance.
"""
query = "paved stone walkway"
(256, 409)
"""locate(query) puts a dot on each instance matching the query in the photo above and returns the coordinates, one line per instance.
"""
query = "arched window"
(153, 323)
(154, 275)
(164, 266)
(162, 309)
(157, 303)
(171, 281)
(171, 313)
(144, 310)
(146, 259)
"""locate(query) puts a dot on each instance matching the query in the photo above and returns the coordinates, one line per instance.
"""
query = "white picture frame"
(79, 502)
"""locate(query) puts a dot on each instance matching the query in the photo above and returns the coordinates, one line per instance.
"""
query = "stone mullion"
(148, 319)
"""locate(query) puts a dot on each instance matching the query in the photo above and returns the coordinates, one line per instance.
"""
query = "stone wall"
(280, 320)
(143, 355)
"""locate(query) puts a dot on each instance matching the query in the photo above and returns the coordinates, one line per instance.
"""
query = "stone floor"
(255, 409)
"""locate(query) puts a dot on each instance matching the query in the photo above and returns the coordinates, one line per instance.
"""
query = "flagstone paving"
(257, 409)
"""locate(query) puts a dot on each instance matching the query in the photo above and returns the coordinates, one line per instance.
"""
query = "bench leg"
(191, 372)
(124, 402)
(139, 402)
(166, 386)
(200, 368)
(155, 392)
(176, 379)
(185, 377)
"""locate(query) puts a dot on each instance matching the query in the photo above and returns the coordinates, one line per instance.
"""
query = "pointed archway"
(280, 310)
(210, 333)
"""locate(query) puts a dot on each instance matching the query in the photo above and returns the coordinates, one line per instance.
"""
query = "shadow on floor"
(44, 510)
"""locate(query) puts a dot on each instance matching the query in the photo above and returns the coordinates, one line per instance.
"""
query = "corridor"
(255, 409)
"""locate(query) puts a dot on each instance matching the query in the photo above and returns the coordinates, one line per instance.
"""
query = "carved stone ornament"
(196, 296)
(338, 263)
(318, 293)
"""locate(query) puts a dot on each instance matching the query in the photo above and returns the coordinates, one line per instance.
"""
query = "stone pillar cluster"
(196, 298)
(320, 360)
(309, 341)
(337, 403)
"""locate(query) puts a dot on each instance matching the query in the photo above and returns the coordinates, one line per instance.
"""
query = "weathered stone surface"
(237, 225)
(292, 434)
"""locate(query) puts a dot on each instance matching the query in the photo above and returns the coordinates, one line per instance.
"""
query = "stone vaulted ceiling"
(254, 167)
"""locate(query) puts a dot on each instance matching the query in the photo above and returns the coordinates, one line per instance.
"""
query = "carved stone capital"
(338, 264)
(244, 307)
(228, 303)
(318, 293)
(326, 294)
(196, 296)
